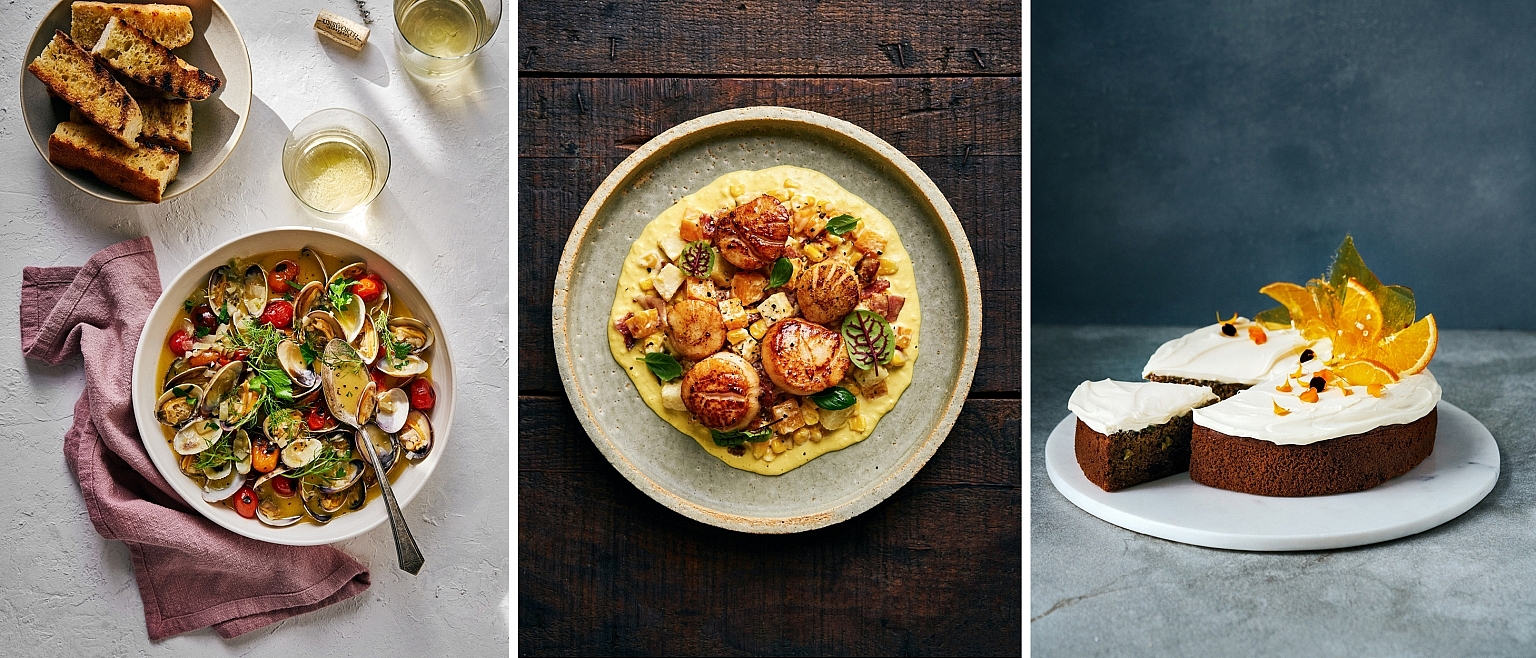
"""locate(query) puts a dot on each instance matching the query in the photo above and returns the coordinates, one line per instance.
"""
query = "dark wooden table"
(935, 569)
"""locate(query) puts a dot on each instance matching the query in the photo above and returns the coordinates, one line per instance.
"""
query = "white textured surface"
(64, 591)
(1461, 470)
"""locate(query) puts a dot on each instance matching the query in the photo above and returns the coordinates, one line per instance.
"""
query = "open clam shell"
(353, 271)
(291, 357)
(351, 317)
(284, 426)
(357, 496)
(217, 490)
(412, 332)
(301, 452)
(178, 404)
(240, 406)
(383, 442)
(320, 326)
(367, 403)
(393, 407)
(253, 291)
(416, 437)
(410, 366)
(307, 297)
(219, 387)
(196, 436)
(223, 289)
(240, 447)
(181, 373)
(316, 260)
(268, 511)
(352, 473)
(367, 342)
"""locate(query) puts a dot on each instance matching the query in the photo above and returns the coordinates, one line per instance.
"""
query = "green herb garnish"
(218, 454)
(728, 439)
(834, 398)
(782, 270)
(841, 224)
(187, 305)
(394, 351)
(328, 464)
(340, 293)
(663, 366)
(868, 338)
(307, 353)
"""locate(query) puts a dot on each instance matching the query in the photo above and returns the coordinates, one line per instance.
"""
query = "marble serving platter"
(668, 465)
(1460, 472)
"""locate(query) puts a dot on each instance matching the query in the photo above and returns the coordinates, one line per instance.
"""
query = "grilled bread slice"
(84, 82)
(144, 172)
(124, 48)
(169, 25)
(166, 122)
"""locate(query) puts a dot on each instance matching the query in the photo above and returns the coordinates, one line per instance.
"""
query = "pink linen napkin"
(191, 572)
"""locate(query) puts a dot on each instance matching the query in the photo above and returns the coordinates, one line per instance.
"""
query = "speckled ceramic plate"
(217, 123)
(668, 465)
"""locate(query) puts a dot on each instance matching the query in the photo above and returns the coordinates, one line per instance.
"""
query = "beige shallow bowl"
(669, 465)
(216, 123)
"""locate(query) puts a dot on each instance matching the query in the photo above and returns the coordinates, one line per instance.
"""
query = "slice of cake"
(1229, 356)
(129, 52)
(169, 25)
(1134, 432)
(143, 172)
(81, 80)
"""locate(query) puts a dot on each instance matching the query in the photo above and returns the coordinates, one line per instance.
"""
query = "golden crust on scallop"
(722, 392)
(803, 357)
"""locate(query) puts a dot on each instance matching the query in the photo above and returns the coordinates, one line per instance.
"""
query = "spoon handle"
(405, 545)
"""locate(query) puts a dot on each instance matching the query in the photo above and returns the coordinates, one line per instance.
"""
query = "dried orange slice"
(1359, 322)
(1364, 372)
(1408, 351)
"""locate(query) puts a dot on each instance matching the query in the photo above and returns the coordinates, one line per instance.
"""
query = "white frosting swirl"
(1110, 406)
(1251, 413)
(1207, 354)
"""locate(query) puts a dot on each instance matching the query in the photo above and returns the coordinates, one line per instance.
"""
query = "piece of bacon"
(629, 338)
(878, 303)
(868, 269)
(707, 226)
(874, 288)
(894, 303)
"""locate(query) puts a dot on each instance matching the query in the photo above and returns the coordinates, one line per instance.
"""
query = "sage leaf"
(728, 439)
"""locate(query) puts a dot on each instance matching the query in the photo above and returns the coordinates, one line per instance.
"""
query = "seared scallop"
(696, 328)
(827, 291)
(752, 236)
(722, 392)
(803, 357)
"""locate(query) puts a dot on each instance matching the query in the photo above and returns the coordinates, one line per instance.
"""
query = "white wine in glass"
(438, 37)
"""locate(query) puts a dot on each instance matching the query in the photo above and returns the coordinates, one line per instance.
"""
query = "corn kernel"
(857, 423)
(815, 253)
(737, 335)
(855, 256)
(851, 387)
(833, 240)
(903, 338)
(815, 435)
(758, 329)
(802, 435)
(777, 445)
(758, 448)
(790, 183)
(810, 200)
(736, 190)
(887, 266)
(650, 260)
(647, 285)
(898, 359)
(768, 455)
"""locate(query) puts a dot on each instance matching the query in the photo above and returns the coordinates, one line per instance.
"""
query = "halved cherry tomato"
(422, 396)
(282, 486)
(263, 455)
(203, 358)
(202, 316)
(181, 343)
(319, 420)
(245, 502)
(380, 380)
(370, 287)
(280, 279)
(230, 357)
(279, 313)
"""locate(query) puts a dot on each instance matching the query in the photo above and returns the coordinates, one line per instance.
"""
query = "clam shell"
(304, 300)
(351, 318)
(301, 452)
(319, 262)
(174, 400)
(410, 367)
(413, 332)
(383, 443)
(321, 323)
(292, 359)
(196, 436)
(253, 292)
(367, 342)
(241, 448)
(393, 407)
(217, 490)
(416, 437)
(219, 387)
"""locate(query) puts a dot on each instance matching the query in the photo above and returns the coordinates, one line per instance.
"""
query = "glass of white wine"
(441, 37)
(335, 161)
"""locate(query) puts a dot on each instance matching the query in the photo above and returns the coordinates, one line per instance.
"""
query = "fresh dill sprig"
(328, 464)
(394, 351)
(218, 454)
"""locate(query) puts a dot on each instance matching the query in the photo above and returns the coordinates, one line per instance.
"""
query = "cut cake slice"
(81, 80)
(1134, 432)
(144, 172)
(129, 52)
(168, 25)
(1230, 356)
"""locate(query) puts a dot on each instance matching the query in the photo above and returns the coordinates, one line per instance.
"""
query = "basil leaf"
(782, 270)
(697, 259)
(663, 366)
(841, 224)
(834, 398)
(728, 439)
(868, 338)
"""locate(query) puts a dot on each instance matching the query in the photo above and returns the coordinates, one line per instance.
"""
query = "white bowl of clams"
(264, 366)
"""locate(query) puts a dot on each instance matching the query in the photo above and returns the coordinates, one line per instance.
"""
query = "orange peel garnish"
(1309, 395)
(1377, 390)
(1285, 387)
(1257, 335)
(1279, 410)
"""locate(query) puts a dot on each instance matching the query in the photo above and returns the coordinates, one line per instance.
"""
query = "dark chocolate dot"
(1228, 329)
(1307, 355)
(1317, 384)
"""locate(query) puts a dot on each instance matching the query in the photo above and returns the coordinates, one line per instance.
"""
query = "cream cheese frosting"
(1109, 406)
(1251, 412)
(1207, 354)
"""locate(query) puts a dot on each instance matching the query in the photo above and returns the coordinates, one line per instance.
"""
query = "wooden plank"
(784, 37)
(935, 569)
(607, 117)
(984, 191)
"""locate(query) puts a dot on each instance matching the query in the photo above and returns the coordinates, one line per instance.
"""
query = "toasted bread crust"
(168, 25)
(81, 80)
(167, 123)
(143, 172)
(130, 52)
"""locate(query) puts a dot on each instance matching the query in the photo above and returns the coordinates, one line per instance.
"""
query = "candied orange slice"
(1364, 372)
(1408, 351)
(1257, 335)
(1358, 325)
(1296, 299)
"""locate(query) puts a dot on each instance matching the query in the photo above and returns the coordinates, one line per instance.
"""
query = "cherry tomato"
(202, 316)
(319, 420)
(279, 313)
(282, 486)
(245, 502)
(263, 455)
(204, 358)
(280, 279)
(370, 287)
(422, 395)
(181, 343)
(380, 379)
(230, 357)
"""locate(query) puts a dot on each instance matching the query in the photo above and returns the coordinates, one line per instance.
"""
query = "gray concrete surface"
(443, 216)
(1466, 588)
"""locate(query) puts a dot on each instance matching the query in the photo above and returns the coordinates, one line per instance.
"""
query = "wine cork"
(341, 30)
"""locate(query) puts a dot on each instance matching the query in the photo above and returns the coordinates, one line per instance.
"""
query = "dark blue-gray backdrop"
(1186, 153)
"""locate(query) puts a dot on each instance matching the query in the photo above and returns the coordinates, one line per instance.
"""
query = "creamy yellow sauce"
(794, 184)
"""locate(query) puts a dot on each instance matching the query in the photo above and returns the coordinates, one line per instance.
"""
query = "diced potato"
(758, 448)
(775, 308)
(722, 272)
(734, 313)
(668, 281)
(789, 424)
(644, 323)
(870, 242)
(672, 395)
(784, 409)
(672, 246)
(748, 349)
(737, 336)
(702, 290)
(870, 377)
(653, 343)
(903, 337)
(748, 287)
(877, 391)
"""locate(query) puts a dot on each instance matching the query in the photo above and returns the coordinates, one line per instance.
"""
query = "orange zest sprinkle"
(1279, 410)
(1309, 395)
(1347, 391)
(1377, 390)
(1257, 335)
(1284, 387)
